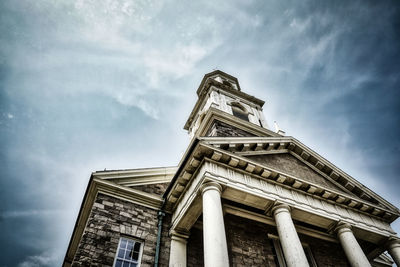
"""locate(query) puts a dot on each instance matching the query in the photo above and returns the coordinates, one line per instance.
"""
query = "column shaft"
(177, 256)
(352, 249)
(290, 242)
(215, 248)
(394, 250)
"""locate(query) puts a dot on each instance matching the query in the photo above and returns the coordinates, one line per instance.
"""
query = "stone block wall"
(249, 245)
(157, 189)
(195, 249)
(112, 218)
(291, 165)
(219, 129)
(326, 253)
(247, 242)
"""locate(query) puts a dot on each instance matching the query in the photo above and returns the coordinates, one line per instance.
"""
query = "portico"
(216, 186)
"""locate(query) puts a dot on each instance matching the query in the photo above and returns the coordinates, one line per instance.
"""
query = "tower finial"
(278, 130)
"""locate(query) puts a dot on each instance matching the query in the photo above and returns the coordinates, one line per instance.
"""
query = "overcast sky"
(87, 85)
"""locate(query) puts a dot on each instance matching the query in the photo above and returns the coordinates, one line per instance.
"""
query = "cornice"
(137, 173)
(128, 194)
(80, 223)
(137, 177)
(213, 73)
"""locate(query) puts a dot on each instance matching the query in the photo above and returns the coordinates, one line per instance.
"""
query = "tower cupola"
(221, 93)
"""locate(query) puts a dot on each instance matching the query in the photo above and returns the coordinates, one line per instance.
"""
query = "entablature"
(256, 192)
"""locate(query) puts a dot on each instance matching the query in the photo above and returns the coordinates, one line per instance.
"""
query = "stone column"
(351, 248)
(177, 256)
(290, 242)
(215, 248)
(393, 247)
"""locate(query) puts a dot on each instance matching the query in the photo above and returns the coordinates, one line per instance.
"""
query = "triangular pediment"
(272, 158)
(148, 180)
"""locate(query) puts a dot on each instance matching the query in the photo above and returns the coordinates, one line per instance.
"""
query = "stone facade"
(112, 218)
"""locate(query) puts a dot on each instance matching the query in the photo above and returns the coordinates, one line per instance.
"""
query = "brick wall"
(112, 218)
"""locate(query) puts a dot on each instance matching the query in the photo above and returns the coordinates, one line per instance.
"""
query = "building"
(242, 195)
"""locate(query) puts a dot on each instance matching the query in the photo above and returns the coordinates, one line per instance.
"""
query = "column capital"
(214, 237)
(178, 249)
(342, 227)
(280, 207)
(211, 186)
(179, 236)
(289, 239)
(393, 242)
(350, 245)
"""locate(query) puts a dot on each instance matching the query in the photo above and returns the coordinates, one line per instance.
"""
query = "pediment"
(309, 164)
(271, 158)
(149, 180)
(286, 163)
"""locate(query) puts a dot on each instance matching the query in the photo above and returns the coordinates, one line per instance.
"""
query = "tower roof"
(217, 73)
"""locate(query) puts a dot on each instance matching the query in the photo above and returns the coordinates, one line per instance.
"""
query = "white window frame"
(136, 240)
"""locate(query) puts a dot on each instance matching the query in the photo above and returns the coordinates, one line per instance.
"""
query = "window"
(278, 253)
(129, 253)
(310, 258)
(239, 111)
(227, 83)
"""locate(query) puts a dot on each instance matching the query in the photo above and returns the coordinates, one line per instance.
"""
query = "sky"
(89, 85)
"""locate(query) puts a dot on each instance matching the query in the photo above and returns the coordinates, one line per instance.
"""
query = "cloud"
(38, 261)
(10, 116)
(27, 213)
(173, 63)
(119, 45)
(88, 85)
